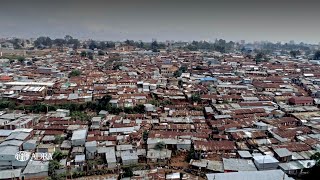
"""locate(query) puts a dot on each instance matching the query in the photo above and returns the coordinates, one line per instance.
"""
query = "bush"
(78, 115)
(78, 174)
(7, 104)
(127, 172)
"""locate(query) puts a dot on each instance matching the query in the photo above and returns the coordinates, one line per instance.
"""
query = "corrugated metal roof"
(245, 154)
(10, 173)
(265, 159)
(238, 165)
(250, 175)
(79, 134)
(35, 167)
(283, 152)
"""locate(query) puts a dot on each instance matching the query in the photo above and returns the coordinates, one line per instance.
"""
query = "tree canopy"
(127, 172)
(53, 166)
(316, 55)
(219, 45)
(74, 73)
(260, 56)
(57, 155)
(314, 172)
(160, 145)
(181, 70)
(43, 41)
(195, 98)
(316, 157)
(294, 53)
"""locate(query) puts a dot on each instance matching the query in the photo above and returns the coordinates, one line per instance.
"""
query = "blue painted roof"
(208, 79)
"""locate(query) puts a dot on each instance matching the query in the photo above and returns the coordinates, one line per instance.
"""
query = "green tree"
(101, 53)
(39, 107)
(139, 109)
(91, 105)
(79, 115)
(145, 135)
(70, 106)
(166, 102)
(59, 42)
(181, 70)
(102, 45)
(155, 102)
(43, 41)
(314, 171)
(294, 54)
(68, 38)
(259, 57)
(93, 45)
(57, 155)
(17, 43)
(83, 54)
(7, 104)
(90, 55)
(160, 145)
(74, 73)
(191, 154)
(316, 157)
(21, 59)
(130, 42)
(154, 45)
(110, 45)
(77, 174)
(141, 45)
(128, 110)
(58, 139)
(53, 166)
(116, 66)
(155, 50)
(316, 55)
(114, 110)
(76, 43)
(12, 105)
(103, 102)
(180, 83)
(195, 98)
(71, 41)
(127, 172)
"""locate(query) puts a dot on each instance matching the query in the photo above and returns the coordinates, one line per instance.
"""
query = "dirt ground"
(178, 161)
(99, 177)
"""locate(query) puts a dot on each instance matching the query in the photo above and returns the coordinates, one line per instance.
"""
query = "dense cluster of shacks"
(237, 117)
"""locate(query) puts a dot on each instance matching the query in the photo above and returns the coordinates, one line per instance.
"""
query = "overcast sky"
(273, 20)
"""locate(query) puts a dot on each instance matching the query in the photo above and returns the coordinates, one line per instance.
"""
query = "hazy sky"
(274, 20)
